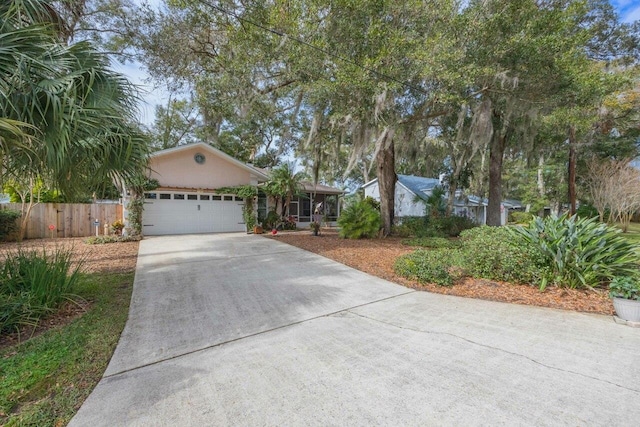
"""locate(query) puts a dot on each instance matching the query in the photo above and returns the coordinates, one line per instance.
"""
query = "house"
(186, 200)
(412, 192)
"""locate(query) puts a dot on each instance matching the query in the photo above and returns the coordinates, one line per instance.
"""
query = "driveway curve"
(235, 329)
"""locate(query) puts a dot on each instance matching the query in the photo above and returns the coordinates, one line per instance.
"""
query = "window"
(150, 196)
(205, 197)
(178, 197)
(192, 197)
(216, 197)
(239, 199)
(165, 196)
(228, 198)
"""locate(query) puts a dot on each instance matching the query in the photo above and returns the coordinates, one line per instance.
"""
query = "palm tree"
(64, 116)
(284, 184)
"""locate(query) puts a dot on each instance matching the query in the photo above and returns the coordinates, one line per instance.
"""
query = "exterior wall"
(404, 204)
(180, 170)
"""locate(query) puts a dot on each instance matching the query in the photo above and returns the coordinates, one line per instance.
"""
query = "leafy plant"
(100, 240)
(117, 226)
(417, 226)
(34, 283)
(494, 253)
(452, 225)
(580, 252)
(431, 242)
(624, 287)
(441, 267)
(520, 217)
(8, 223)
(359, 220)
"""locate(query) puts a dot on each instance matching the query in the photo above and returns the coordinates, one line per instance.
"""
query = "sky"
(152, 96)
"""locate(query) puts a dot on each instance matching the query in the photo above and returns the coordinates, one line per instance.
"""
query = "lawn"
(633, 234)
(45, 379)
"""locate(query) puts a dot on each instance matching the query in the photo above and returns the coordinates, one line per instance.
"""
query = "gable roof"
(206, 147)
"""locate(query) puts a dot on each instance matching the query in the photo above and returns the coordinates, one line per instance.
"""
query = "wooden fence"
(69, 219)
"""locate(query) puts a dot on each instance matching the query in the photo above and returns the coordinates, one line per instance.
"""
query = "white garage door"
(187, 213)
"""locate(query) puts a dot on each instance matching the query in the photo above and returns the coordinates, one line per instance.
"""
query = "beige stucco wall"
(180, 170)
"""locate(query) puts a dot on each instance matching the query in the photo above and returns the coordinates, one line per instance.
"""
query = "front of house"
(187, 201)
(412, 192)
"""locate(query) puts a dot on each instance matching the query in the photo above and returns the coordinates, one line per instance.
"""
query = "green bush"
(359, 220)
(431, 242)
(418, 227)
(33, 284)
(100, 240)
(495, 253)
(520, 217)
(434, 266)
(580, 252)
(585, 210)
(8, 223)
(452, 225)
(625, 287)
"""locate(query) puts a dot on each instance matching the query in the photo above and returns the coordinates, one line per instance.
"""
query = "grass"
(44, 381)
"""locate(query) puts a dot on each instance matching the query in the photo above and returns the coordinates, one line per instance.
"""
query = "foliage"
(359, 220)
(437, 266)
(271, 220)
(432, 242)
(33, 284)
(315, 227)
(375, 204)
(284, 184)
(586, 210)
(135, 206)
(101, 240)
(517, 217)
(624, 287)
(65, 117)
(580, 252)
(117, 226)
(8, 223)
(46, 378)
(439, 226)
(452, 225)
(494, 253)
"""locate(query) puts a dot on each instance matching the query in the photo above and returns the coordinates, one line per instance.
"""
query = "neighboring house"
(412, 192)
(186, 200)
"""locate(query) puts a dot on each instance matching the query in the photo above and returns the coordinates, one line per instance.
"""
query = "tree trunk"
(385, 159)
(573, 159)
(496, 155)
(453, 187)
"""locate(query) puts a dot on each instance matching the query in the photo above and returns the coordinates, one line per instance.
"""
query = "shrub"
(100, 240)
(435, 266)
(431, 242)
(520, 217)
(34, 283)
(417, 226)
(453, 225)
(494, 253)
(585, 210)
(624, 287)
(580, 252)
(8, 223)
(359, 220)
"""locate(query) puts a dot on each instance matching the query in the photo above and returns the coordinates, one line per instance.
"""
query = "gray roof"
(418, 185)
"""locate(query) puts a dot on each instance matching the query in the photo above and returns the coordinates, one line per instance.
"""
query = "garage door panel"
(169, 216)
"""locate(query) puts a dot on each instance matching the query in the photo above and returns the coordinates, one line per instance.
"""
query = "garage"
(192, 191)
(189, 213)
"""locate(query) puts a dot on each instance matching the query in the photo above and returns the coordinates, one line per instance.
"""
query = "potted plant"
(625, 293)
(117, 227)
(315, 226)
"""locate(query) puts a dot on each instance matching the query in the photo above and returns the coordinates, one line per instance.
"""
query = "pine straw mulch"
(377, 256)
(106, 258)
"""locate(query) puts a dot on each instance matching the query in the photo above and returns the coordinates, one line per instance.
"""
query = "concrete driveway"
(235, 329)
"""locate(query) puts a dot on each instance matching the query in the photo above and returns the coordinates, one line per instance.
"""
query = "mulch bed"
(377, 256)
(106, 258)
